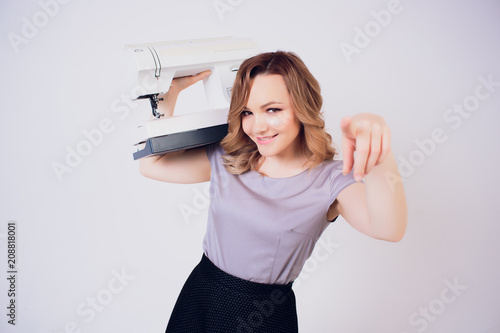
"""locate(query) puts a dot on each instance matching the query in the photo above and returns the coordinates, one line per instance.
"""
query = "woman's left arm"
(377, 207)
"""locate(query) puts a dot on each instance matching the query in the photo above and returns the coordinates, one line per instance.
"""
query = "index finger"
(361, 157)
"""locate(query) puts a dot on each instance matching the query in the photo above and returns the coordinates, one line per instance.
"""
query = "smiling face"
(269, 118)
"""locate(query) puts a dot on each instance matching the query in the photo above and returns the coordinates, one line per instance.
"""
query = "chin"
(266, 152)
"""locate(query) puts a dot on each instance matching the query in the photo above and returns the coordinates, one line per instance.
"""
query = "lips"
(266, 139)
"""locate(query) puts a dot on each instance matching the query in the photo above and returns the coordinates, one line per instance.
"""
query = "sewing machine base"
(182, 140)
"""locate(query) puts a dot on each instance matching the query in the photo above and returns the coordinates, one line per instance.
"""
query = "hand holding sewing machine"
(169, 99)
(181, 83)
(165, 69)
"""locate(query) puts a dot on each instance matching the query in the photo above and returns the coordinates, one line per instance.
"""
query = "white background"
(75, 234)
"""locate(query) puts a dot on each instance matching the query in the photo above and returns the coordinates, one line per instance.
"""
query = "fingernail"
(357, 177)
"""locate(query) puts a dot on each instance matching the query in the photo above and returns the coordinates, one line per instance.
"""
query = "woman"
(274, 189)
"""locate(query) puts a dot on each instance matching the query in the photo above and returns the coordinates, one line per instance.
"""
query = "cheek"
(282, 121)
(276, 121)
(246, 125)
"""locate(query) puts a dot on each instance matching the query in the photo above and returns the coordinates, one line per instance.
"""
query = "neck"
(286, 164)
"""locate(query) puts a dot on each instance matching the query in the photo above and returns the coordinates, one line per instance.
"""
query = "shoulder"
(214, 151)
(329, 173)
(333, 164)
(330, 168)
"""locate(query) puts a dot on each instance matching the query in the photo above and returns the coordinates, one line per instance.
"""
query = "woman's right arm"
(185, 166)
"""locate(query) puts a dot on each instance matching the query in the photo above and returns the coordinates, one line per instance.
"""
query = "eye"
(273, 110)
(245, 113)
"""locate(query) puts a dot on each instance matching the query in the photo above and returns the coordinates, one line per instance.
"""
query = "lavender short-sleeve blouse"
(263, 229)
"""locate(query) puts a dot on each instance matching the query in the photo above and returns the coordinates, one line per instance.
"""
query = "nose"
(260, 123)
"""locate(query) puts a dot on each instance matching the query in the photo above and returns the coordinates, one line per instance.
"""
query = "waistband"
(236, 284)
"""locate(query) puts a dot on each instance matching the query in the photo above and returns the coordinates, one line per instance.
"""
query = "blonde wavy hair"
(305, 94)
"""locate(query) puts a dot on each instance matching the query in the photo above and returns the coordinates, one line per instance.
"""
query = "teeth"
(267, 138)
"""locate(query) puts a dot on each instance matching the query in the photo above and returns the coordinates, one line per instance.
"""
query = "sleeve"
(338, 181)
(214, 153)
(211, 150)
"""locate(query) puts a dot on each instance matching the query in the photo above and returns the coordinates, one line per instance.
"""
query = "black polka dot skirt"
(214, 301)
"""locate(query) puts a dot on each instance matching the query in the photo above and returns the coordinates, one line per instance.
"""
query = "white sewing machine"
(157, 64)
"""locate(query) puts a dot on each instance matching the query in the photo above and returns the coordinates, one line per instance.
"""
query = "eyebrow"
(264, 105)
